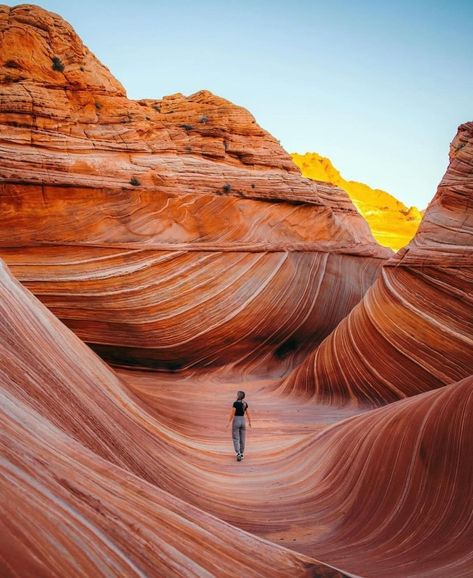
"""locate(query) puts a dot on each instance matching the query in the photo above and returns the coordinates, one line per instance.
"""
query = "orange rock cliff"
(158, 256)
(392, 223)
(129, 218)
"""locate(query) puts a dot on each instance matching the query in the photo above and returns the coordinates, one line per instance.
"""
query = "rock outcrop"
(159, 230)
(85, 465)
(413, 330)
(390, 489)
(391, 222)
(177, 234)
(82, 467)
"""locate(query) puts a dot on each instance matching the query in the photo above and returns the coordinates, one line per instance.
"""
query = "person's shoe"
(239, 457)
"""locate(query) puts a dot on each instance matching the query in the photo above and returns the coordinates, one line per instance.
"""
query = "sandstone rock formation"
(413, 330)
(177, 234)
(85, 464)
(82, 465)
(390, 489)
(128, 219)
(392, 223)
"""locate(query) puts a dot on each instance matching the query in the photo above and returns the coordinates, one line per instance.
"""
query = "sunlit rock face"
(177, 234)
(168, 233)
(413, 330)
(392, 223)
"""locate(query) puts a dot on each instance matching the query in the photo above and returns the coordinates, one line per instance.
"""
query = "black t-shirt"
(240, 407)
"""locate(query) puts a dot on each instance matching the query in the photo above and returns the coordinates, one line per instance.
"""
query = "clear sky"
(377, 86)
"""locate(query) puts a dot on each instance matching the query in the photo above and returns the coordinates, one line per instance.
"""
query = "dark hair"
(240, 395)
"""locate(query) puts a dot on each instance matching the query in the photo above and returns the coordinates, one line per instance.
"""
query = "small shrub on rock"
(135, 182)
(57, 64)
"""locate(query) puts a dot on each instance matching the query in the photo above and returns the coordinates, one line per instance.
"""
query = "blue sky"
(378, 87)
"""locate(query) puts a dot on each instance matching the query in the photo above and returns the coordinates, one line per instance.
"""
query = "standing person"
(237, 414)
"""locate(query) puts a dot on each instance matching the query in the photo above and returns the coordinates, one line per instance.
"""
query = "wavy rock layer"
(159, 230)
(71, 505)
(93, 462)
(391, 222)
(384, 493)
(413, 330)
(390, 488)
(170, 309)
(153, 227)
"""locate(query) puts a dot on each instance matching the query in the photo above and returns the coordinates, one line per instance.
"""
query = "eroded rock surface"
(177, 234)
(413, 330)
(83, 467)
(159, 230)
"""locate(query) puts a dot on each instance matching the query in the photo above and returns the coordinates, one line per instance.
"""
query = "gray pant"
(239, 433)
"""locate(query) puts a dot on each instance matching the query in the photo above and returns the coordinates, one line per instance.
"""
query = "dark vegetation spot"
(12, 64)
(57, 64)
(286, 347)
(135, 182)
(227, 188)
(252, 185)
(98, 105)
(204, 119)
(186, 126)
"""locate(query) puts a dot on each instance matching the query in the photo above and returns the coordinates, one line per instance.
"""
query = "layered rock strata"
(413, 330)
(82, 467)
(159, 230)
(120, 224)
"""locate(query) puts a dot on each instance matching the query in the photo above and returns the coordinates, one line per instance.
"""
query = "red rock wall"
(390, 489)
(78, 456)
(189, 309)
(186, 234)
(81, 454)
(413, 330)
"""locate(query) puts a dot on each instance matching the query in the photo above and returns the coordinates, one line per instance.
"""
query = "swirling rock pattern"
(153, 227)
(81, 453)
(169, 308)
(385, 493)
(76, 458)
(413, 330)
(159, 230)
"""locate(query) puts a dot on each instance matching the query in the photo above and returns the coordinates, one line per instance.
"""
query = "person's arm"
(248, 416)
(230, 417)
